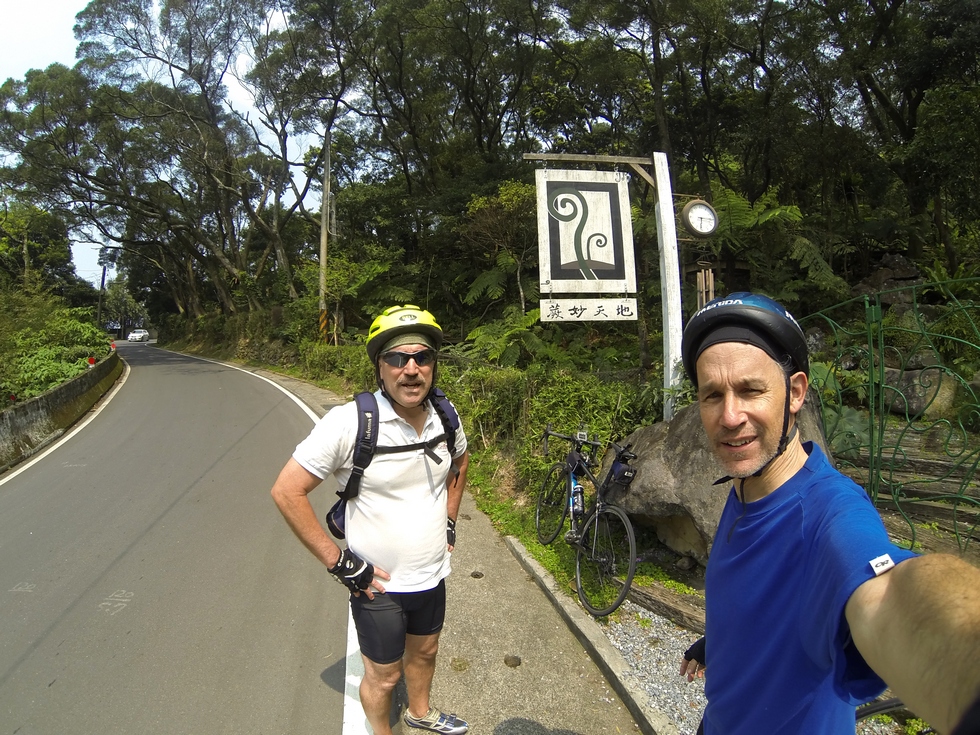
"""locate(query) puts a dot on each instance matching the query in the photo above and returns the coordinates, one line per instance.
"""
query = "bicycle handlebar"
(577, 442)
(622, 453)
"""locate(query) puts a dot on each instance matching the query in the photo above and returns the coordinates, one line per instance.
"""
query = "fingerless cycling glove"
(353, 571)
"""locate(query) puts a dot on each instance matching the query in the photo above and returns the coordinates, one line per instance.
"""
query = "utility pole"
(98, 315)
(324, 228)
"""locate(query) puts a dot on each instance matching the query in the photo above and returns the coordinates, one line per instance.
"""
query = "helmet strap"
(784, 437)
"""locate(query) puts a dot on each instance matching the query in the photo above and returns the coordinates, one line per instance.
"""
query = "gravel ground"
(653, 647)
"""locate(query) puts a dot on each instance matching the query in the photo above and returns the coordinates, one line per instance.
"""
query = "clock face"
(699, 218)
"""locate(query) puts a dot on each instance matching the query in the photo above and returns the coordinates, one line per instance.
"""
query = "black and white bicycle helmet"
(744, 317)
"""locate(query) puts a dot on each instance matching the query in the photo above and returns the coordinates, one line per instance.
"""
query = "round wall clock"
(699, 218)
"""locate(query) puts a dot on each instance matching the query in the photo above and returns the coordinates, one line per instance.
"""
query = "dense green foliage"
(192, 137)
(48, 324)
(35, 254)
(43, 343)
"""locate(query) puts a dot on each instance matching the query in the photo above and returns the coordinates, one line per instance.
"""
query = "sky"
(33, 35)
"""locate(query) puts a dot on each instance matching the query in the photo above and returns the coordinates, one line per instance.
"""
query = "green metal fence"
(898, 379)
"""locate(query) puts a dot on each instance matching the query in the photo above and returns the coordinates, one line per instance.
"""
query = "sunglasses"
(400, 359)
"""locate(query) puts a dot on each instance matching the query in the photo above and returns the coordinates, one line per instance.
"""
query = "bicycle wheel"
(605, 560)
(552, 504)
(877, 707)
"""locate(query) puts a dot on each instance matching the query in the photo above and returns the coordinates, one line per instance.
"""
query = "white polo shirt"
(398, 519)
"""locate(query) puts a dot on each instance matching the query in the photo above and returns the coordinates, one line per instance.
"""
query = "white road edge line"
(354, 721)
(77, 428)
(309, 412)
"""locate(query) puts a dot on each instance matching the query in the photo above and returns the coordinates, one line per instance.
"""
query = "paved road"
(147, 584)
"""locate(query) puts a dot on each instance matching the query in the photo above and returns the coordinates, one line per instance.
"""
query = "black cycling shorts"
(383, 622)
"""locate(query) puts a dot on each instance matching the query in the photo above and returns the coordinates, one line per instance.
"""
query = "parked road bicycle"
(601, 533)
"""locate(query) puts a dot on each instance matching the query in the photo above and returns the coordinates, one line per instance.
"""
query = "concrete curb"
(29, 427)
(595, 642)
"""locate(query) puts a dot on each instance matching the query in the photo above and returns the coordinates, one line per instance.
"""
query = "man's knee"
(382, 677)
(422, 648)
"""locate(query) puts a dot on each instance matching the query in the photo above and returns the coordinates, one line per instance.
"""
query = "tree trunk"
(952, 258)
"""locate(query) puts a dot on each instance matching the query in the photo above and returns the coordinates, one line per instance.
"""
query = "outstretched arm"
(918, 627)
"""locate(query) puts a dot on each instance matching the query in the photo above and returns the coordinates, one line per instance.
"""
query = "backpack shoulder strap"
(365, 442)
(450, 422)
(449, 417)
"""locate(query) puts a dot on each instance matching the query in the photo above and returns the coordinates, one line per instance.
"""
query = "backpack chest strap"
(427, 446)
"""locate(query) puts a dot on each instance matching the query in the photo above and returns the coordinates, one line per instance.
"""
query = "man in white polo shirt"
(400, 528)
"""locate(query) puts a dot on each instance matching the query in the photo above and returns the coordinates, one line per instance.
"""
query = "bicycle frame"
(601, 534)
(577, 465)
(579, 462)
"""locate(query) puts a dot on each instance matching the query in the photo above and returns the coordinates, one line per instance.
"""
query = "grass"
(648, 574)
(512, 513)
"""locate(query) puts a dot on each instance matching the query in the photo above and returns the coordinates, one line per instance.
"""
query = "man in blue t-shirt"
(811, 609)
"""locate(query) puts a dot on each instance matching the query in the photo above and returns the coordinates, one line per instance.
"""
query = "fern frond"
(489, 283)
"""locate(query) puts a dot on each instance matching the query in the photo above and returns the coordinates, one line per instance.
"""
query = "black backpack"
(366, 446)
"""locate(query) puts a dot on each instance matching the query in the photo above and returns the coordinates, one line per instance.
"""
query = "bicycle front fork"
(577, 517)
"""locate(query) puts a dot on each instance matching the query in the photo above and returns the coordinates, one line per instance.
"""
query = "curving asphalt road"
(147, 584)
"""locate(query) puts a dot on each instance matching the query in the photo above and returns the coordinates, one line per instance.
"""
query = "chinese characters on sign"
(585, 245)
(595, 310)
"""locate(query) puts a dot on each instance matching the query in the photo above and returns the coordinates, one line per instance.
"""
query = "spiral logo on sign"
(567, 205)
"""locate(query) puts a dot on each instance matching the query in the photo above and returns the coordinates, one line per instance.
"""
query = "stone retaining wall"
(27, 427)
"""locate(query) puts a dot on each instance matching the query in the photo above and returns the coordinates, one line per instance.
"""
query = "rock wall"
(29, 426)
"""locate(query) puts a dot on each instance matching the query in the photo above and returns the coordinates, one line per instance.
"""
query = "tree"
(121, 312)
(503, 230)
(35, 252)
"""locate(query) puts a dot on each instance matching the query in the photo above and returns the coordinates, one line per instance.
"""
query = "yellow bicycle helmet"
(396, 320)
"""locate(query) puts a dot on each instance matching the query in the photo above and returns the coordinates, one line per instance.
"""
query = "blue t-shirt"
(780, 657)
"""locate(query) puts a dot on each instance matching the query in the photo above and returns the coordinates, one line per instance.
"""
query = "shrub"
(319, 361)
(44, 343)
(490, 400)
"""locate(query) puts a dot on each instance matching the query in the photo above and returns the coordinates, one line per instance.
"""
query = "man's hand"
(451, 533)
(356, 574)
(692, 665)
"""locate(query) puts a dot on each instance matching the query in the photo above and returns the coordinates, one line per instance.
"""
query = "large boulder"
(673, 491)
(916, 394)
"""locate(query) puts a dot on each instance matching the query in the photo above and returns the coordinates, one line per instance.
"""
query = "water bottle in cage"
(578, 498)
